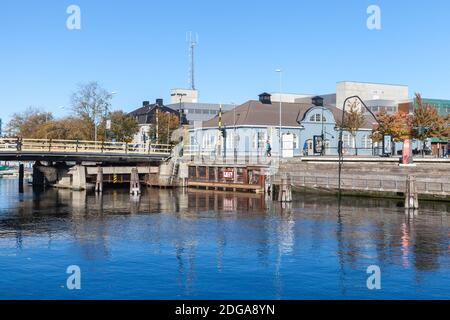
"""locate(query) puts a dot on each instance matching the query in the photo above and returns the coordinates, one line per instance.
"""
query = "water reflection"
(209, 238)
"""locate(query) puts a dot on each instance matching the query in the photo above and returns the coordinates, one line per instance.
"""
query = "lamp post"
(106, 115)
(280, 72)
(340, 143)
(180, 110)
(234, 132)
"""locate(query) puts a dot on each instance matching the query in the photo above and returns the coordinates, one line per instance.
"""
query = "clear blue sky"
(139, 48)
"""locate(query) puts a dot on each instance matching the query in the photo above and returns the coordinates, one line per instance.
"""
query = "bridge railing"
(81, 146)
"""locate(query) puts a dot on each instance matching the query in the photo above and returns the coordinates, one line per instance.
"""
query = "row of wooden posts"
(285, 188)
(135, 185)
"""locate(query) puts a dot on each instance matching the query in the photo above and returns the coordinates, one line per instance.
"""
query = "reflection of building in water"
(203, 200)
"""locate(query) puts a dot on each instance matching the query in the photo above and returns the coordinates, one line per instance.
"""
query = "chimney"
(159, 102)
(264, 98)
(145, 103)
(317, 101)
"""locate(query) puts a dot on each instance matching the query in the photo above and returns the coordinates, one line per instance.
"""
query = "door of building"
(288, 145)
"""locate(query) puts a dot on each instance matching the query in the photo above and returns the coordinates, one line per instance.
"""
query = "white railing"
(81, 146)
(198, 154)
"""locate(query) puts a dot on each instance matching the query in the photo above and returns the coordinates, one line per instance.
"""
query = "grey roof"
(255, 113)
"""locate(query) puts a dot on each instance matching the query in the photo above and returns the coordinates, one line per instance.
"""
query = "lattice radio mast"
(193, 41)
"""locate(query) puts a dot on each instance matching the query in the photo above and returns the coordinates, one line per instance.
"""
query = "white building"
(186, 95)
(289, 97)
(376, 96)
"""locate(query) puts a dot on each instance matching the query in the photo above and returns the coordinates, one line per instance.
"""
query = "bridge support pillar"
(38, 175)
(79, 178)
(135, 186)
(99, 182)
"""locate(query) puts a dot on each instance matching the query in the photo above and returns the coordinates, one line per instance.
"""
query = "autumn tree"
(29, 124)
(353, 120)
(163, 125)
(123, 127)
(91, 103)
(69, 128)
(427, 123)
(397, 125)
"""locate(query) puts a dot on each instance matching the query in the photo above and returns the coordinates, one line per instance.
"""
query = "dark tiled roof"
(145, 114)
(255, 113)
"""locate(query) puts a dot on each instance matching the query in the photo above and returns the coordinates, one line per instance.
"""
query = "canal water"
(170, 244)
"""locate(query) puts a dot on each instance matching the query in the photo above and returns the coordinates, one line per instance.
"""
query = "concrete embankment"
(383, 179)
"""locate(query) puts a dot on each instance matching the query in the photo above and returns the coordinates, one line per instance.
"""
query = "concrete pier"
(79, 178)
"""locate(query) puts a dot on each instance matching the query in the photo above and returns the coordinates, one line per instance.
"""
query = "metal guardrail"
(197, 154)
(81, 146)
(431, 186)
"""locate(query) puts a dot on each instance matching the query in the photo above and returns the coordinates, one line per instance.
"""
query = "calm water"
(200, 245)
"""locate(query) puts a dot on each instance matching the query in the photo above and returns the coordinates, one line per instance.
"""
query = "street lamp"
(106, 115)
(180, 110)
(280, 72)
(340, 141)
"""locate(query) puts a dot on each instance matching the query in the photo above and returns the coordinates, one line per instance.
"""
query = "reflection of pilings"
(79, 204)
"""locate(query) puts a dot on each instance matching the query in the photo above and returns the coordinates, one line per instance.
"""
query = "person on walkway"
(305, 148)
(268, 149)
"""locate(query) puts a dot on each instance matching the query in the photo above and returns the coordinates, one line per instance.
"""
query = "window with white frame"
(366, 142)
(230, 140)
(259, 140)
(348, 140)
(317, 118)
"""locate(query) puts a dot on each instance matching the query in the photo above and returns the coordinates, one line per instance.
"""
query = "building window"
(230, 140)
(316, 118)
(259, 140)
(348, 140)
(366, 142)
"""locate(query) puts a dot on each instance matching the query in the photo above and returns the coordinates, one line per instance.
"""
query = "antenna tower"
(193, 41)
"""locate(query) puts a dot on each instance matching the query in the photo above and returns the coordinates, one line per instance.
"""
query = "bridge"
(16, 149)
(80, 164)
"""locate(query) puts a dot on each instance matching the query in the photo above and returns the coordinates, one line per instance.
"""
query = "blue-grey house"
(247, 129)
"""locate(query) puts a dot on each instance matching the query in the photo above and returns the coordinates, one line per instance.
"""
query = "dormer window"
(317, 118)
(265, 98)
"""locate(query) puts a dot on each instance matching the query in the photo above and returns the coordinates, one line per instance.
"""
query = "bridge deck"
(13, 149)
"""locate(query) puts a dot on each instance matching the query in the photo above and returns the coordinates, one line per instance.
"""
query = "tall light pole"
(106, 115)
(280, 72)
(180, 110)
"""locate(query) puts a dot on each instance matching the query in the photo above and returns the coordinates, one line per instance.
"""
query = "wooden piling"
(135, 186)
(21, 177)
(285, 192)
(411, 196)
(99, 182)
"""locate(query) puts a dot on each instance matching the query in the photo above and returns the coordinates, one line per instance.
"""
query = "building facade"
(306, 129)
(145, 116)
(196, 113)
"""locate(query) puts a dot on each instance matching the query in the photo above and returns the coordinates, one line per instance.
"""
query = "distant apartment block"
(377, 96)
(196, 113)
